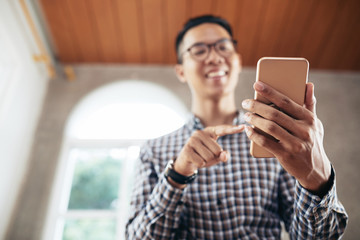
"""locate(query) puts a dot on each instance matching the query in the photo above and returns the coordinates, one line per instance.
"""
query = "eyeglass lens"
(223, 47)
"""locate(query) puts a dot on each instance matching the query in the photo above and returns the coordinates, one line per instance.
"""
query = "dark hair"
(193, 22)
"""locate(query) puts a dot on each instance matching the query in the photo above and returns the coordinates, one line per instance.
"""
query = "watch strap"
(177, 177)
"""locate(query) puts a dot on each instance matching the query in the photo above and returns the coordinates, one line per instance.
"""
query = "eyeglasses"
(200, 51)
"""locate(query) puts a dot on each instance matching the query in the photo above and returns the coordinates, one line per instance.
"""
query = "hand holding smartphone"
(286, 75)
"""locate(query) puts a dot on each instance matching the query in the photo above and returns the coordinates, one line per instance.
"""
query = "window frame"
(58, 206)
(116, 92)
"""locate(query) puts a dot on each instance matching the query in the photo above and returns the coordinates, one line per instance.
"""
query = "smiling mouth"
(216, 74)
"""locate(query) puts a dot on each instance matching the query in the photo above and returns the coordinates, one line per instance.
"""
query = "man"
(200, 182)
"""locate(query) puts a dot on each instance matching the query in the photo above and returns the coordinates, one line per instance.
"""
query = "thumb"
(310, 100)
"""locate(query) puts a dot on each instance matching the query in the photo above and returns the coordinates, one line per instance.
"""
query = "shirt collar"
(194, 122)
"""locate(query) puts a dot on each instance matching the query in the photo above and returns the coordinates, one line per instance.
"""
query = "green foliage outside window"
(95, 183)
(87, 229)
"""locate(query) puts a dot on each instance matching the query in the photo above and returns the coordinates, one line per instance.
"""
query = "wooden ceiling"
(326, 32)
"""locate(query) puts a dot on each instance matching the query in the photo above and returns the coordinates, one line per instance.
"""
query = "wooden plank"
(228, 10)
(94, 26)
(349, 53)
(321, 22)
(231, 11)
(271, 27)
(250, 16)
(176, 17)
(49, 11)
(117, 31)
(83, 31)
(69, 23)
(165, 35)
(128, 22)
(138, 31)
(295, 24)
(259, 28)
(356, 65)
(350, 57)
(153, 29)
(354, 62)
(61, 33)
(339, 37)
(201, 7)
(106, 30)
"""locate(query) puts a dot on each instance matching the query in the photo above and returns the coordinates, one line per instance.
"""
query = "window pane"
(115, 112)
(89, 229)
(96, 178)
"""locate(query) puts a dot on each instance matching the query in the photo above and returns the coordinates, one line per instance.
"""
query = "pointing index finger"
(222, 130)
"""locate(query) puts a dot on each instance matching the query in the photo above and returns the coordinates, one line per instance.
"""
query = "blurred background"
(83, 83)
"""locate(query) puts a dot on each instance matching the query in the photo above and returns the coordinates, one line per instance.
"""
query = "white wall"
(23, 85)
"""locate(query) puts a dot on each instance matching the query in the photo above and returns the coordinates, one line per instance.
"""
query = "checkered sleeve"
(317, 218)
(286, 198)
(156, 205)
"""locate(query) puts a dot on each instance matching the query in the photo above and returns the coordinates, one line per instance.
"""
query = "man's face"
(215, 76)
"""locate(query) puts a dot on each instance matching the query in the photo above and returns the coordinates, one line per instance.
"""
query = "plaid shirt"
(244, 198)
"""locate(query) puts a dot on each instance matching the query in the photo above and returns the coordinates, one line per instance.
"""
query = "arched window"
(102, 139)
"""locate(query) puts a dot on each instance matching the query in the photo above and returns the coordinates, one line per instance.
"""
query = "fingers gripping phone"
(286, 75)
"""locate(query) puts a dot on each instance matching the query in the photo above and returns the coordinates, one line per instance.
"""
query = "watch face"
(170, 164)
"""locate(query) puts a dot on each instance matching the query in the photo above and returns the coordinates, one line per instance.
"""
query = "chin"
(224, 87)
(219, 92)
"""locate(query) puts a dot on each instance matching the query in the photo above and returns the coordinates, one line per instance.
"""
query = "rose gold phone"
(288, 76)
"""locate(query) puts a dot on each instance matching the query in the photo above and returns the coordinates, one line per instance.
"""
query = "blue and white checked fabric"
(244, 198)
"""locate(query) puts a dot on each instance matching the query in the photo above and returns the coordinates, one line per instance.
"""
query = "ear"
(179, 70)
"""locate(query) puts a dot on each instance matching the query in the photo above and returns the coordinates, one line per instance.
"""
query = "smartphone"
(286, 75)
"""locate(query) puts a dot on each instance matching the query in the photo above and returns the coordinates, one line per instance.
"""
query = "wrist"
(183, 170)
(320, 187)
(175, 184)
(177, 179)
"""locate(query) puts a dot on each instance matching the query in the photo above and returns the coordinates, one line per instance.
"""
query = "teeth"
(217, 74)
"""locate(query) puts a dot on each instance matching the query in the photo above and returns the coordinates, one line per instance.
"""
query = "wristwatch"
(177, 177)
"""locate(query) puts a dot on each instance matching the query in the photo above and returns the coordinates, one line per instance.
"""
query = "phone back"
(288, 76)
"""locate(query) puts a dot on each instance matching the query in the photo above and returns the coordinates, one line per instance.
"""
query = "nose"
(214, 57)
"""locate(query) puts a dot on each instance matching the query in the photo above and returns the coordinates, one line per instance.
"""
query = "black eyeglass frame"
(209, 46)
